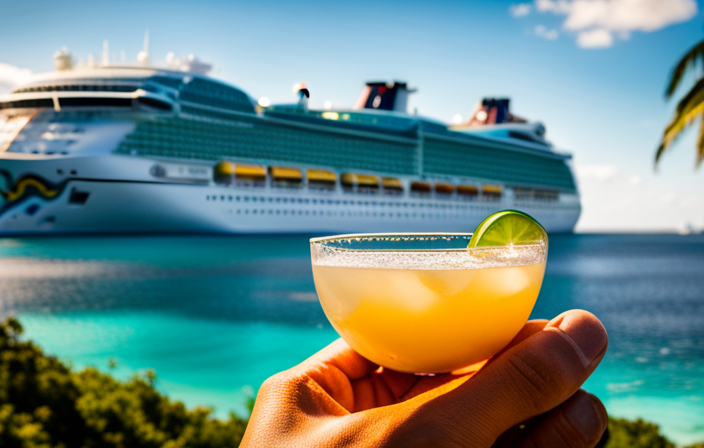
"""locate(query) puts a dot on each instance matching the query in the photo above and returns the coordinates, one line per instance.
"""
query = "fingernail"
(587, 415)
(584, 331)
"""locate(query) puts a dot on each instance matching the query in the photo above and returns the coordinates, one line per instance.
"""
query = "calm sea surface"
(215, 316)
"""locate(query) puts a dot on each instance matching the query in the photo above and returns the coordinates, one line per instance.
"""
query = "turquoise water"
(215, 316)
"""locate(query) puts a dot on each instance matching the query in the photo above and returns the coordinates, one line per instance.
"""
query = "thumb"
(530, 379)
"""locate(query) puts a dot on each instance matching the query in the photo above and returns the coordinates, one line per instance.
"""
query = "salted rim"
(375, 236)
(323, 254)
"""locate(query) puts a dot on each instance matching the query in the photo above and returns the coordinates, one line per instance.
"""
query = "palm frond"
(691, 98)
(690, 108)
(687, 62)
(683, 113)
(700, 145)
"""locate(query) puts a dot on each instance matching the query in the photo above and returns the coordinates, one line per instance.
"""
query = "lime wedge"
(508, 227)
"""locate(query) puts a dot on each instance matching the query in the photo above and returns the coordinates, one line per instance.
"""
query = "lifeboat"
(321, 179)
(362, 182)
(391, 185)
(224, 172)
(444, 188)
(282, 176)
(492, 191)
(468, 191)
(420, 187)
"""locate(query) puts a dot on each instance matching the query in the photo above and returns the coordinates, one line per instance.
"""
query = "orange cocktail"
(425, 303)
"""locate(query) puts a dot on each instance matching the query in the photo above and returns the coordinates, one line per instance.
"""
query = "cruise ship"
(139, 149)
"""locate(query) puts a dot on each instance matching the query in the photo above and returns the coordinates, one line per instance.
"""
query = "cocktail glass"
(425, 303)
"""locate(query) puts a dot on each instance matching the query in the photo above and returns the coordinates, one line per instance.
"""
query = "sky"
(593, 71)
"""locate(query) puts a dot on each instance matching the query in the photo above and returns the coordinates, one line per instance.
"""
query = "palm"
(690, 107)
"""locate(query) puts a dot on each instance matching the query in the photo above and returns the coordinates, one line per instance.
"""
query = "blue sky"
(604, 104)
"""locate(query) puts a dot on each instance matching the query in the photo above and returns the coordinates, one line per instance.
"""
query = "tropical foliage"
(44, 404)
(691, 106)
(624, 433)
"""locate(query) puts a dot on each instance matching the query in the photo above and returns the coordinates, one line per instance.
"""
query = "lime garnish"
(506, 228)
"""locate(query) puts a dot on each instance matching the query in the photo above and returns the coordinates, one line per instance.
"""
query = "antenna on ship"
(143, 55)
(106, 53)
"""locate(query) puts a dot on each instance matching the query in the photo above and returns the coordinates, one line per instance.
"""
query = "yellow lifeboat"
(321, 179)
(467, 190)
(224, 172)
(286, 175)
(492, 191)
(250, 173)
(321, 176)
(391, 184)
(420, 187)
(367, 180)
(444, 188)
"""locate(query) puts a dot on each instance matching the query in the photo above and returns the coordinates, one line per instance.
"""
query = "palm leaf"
(689, 109)
(691, 99)
(688, 61)
(700, 145)
(684, 111)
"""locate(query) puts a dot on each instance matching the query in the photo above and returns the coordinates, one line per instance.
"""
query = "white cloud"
(520, 9)
(635, 180)
(596, 22)
(628, 15)
(547, 34)
(596, 173)
(554, 6)
(597, 38)
(11, 76)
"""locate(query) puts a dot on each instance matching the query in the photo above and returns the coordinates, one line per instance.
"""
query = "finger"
(371, 392)
(334, 368)
(529, 329)
(340, 356)
(527, 380)
(577, 423)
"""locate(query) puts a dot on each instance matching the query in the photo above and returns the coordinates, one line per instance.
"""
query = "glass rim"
(322, 241)
(346, 236)
(327, 242)
(425, 251)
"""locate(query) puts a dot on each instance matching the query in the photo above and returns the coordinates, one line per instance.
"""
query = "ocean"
(214, 316)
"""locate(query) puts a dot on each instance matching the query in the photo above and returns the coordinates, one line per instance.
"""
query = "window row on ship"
(190, 139)
(492, 194)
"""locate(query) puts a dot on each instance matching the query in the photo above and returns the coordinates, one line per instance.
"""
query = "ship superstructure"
(140, 149)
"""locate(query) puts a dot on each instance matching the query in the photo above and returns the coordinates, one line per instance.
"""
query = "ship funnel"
(493, 111)
(384, 96)
(301, 90)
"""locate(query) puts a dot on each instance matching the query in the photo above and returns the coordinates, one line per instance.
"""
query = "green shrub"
(44, 404)
(635, 434)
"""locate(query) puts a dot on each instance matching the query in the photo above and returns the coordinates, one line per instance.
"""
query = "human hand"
(337, 398)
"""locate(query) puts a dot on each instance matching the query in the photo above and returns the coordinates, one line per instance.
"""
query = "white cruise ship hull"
(137, 204)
